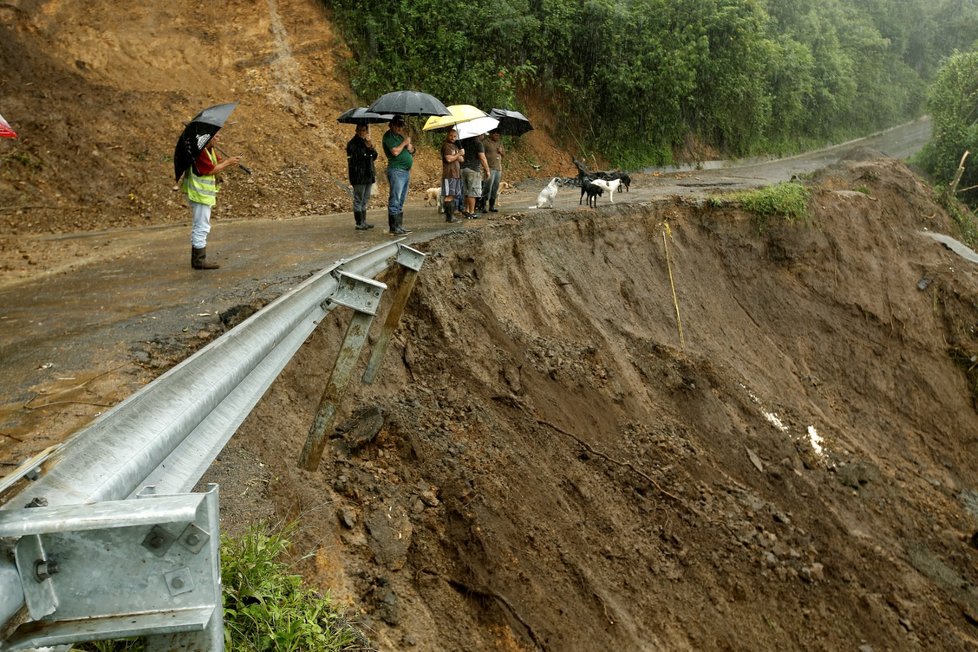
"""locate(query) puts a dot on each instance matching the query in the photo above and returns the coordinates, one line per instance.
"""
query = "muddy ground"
(565, 453)
(658, 425)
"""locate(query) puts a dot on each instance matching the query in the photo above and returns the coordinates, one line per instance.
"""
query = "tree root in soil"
(628, 465)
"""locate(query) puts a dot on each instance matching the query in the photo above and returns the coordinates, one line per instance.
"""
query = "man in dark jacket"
(360, 155)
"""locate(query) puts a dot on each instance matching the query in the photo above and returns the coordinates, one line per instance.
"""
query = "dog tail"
(534, 206)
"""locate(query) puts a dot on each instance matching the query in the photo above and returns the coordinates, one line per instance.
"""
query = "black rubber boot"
(361, 217)
(392, 222)
(492, 206)
(450, 211)
(198, 259)
(399, 225)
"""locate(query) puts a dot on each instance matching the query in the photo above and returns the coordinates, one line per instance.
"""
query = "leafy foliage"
(953, 104)
(635, 79)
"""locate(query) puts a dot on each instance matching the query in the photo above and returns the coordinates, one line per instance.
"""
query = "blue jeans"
(398, 180)
(490, 188)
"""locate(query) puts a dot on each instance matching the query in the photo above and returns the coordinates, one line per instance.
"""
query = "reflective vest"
(202, 189)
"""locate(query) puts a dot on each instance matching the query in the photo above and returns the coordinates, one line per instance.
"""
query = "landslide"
(99, 91)
(547, 462)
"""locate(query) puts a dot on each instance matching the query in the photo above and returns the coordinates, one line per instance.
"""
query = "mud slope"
(99, 91)
(557, 469)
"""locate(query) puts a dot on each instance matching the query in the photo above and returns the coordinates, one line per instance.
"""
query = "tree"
(953, 105)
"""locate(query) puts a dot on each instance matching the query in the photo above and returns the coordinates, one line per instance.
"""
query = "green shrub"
(787, 200)
(267, 608)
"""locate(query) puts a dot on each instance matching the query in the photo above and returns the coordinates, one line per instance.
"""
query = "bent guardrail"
(154, 446)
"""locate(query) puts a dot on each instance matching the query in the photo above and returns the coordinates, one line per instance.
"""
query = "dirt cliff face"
(663, 426)
(99, 92)
(655, 426)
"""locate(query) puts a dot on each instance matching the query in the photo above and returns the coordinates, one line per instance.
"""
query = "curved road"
(80, 325)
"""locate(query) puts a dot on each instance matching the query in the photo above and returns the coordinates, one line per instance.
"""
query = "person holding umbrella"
(200, 185)
(400, 159)
(360, 156)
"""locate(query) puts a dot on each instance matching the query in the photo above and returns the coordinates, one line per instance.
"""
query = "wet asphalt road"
(92, 317)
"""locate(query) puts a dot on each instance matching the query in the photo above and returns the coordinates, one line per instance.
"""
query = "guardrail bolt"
(154, 541)
(177, 583)
(44, 569)
(38, 501)
(192, 539)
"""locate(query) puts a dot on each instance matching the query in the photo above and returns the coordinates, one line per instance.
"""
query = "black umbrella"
(511, 123)
(409, 103)
(197, 134)
(361, 116)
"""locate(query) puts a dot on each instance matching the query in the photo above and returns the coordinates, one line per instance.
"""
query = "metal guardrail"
(163, 438)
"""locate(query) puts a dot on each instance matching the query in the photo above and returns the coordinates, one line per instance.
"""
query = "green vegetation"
(635, 80)
(265, 607)
(953, 105)
(788, 200)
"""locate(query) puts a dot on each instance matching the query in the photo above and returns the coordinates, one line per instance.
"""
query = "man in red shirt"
(200, 184)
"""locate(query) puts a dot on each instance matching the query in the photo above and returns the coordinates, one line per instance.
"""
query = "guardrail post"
(363, 295)
(410, 261)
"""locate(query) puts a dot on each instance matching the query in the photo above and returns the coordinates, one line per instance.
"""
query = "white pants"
(201, 226)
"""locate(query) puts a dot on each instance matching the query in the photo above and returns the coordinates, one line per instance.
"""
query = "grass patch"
(786, 200)
(266, 607)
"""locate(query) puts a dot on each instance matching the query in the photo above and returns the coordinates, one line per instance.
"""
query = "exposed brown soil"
(559, 468)
(555, 464)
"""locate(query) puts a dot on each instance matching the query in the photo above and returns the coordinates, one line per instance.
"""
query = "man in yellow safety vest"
(200, 184)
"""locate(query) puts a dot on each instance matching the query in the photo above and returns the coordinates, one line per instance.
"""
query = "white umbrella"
(476, 127)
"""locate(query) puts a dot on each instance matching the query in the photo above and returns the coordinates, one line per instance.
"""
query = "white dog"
(546, 197)
(431, 196)
(610, 186)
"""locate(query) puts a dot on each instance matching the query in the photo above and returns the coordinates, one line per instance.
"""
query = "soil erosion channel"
(547, 461)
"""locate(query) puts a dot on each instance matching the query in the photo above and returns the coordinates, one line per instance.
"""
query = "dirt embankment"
(559, 467)
(99, 92)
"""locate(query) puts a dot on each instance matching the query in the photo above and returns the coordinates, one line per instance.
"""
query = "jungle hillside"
(651, 82)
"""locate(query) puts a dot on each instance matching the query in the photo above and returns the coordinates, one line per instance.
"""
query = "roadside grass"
(786, 200)
(266, 607)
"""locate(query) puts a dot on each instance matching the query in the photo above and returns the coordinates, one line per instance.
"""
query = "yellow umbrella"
(457, 113)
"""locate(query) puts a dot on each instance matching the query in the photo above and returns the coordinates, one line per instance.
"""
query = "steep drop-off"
(560, 468)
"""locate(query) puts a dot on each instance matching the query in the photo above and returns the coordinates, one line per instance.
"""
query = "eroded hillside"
(559, 468)
(99, 92)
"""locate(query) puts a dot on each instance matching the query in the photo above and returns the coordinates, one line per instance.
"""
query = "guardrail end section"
(410, 258)
(124, 576)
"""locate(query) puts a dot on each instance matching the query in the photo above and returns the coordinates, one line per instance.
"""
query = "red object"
(203, 165)
(5, 130)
